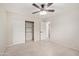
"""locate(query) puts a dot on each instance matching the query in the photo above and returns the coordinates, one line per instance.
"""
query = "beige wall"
(3, 30)
(65, 26)
(12, 28)
(17, 27)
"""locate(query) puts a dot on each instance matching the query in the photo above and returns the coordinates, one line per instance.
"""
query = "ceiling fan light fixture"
(43, 10)
(43, 13)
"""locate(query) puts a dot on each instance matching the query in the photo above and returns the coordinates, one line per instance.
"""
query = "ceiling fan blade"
(36, 5)
(43, 5)
(35, 12)
(49, 4)
(50, 10)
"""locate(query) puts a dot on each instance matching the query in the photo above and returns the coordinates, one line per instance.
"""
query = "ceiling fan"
(42, 8)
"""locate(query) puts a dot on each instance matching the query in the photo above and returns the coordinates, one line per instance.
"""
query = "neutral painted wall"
(17, 28)
(65, 26)
(3, 30)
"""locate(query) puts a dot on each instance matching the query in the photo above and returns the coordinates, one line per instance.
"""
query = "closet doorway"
(29, 31)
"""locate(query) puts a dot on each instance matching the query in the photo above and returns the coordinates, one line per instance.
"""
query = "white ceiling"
(22, 7)
(27, 8)
(18, 7)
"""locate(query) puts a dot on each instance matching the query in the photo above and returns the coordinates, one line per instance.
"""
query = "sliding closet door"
(29, 30)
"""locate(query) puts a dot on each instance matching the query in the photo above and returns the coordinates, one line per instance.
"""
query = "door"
(29, 30)
(45, 30)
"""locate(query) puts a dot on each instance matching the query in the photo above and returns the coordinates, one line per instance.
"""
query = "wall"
(17, 28)
(3, 30)
(65, 27)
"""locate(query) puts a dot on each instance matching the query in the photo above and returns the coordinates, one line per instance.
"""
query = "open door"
(45, 30)
(29, 31)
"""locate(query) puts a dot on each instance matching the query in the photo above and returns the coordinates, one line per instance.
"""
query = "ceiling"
(27, 8)
(20, 7)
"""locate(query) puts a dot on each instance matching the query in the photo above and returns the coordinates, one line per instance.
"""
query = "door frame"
(32, 30)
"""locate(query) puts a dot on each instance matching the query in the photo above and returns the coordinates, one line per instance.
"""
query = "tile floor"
(41, 48)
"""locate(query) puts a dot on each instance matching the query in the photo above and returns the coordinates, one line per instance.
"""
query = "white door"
(45, 30)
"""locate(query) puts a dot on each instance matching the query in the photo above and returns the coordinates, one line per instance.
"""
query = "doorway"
(45, 30)
(29, 31)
